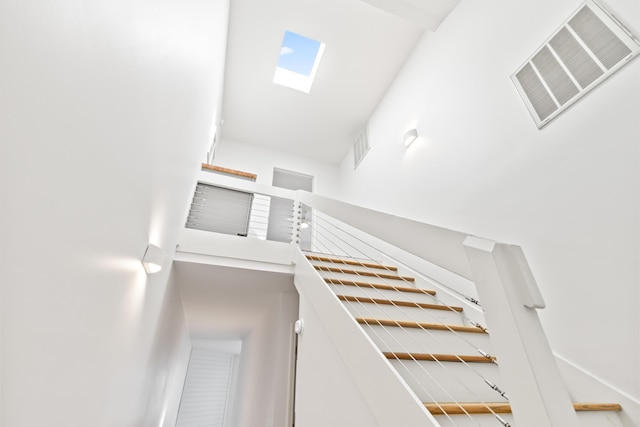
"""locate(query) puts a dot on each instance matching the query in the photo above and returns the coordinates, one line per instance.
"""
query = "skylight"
(298, 63)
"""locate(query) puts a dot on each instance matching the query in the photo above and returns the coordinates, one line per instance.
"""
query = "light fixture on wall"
(153, 259)
(304, 222)
(409, 136)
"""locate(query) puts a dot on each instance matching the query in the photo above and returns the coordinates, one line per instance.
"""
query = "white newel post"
(510, 297)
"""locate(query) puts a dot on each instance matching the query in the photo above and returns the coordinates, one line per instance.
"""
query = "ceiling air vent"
(589, 47)
(361, 146)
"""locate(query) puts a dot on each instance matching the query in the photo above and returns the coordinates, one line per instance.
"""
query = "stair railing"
(537, 394)
(505, 285)
(334, 241)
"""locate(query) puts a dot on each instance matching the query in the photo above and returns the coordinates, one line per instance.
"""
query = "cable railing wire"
(265, 219)
(439, 362)
(318, 242)
(480, 351)
(319, 237)
(406, 368)
(322, 217)
(416, 305)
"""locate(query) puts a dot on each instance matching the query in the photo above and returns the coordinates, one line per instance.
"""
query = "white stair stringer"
(387, 395)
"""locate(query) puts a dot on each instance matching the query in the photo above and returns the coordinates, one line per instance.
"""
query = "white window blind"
(220, 210)
(206, 389)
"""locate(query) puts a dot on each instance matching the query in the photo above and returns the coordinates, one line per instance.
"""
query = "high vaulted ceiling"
(367, 42)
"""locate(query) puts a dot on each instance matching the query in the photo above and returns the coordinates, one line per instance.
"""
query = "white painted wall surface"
(568, 194)
(263, 397)
(261, 161)
(106, 111)
(169, 361)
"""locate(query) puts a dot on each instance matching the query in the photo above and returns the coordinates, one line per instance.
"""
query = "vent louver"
(589, 47)
(361, 146)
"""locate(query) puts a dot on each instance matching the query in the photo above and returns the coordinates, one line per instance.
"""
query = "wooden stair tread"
(418, 325)
(461, 408)
(363, 273)
(438, 357)
(582, 407)
(399, 303)
(351, 262)
(380, 286)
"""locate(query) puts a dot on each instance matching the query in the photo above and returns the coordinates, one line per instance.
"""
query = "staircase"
(445, 358)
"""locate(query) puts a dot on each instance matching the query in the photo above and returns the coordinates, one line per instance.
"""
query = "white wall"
(261, 161)
(263, 398)
(568, 194)
(105, 113)
(165, 378)
(252, 304)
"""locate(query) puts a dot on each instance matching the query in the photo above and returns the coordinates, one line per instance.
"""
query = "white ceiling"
(365, 48)
(225, 302)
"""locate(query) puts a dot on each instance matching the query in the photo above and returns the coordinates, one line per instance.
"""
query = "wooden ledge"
(400, 303)
(227, 171)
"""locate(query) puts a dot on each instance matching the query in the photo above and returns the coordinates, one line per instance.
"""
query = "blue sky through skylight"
(298, 62)
(298, 53)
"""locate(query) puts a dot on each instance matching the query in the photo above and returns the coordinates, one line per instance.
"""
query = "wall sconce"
(304, 222)
(153, 259)
(409, 136)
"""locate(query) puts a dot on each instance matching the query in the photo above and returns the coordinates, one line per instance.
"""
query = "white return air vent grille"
(361, 146)
(589, 47)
